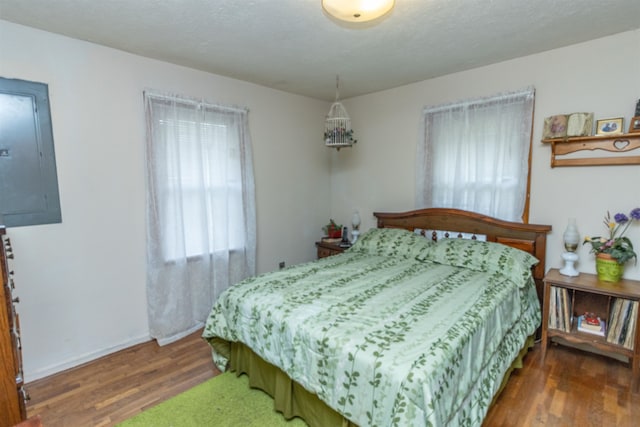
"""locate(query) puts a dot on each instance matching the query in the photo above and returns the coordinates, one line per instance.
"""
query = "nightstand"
(566, 298)
(326, 249)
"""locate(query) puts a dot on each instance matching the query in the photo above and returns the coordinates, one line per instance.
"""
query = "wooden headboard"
(531, 238)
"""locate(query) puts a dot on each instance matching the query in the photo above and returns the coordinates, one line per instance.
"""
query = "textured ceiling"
(292, 46)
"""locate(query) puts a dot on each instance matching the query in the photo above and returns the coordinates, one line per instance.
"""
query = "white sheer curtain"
(474, 155)
(201, 232)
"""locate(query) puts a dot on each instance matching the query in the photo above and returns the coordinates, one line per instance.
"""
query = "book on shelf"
(622, 322)
(625, 322)
(631, 333)
(590, 328)
(566, 306)
(553, 314)
(591, 321)
(332, 239)
(559, 309)
(614, 319)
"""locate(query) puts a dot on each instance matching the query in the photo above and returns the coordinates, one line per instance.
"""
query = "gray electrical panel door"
(28, 180)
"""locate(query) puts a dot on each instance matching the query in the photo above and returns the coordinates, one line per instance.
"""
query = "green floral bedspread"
(387, 336)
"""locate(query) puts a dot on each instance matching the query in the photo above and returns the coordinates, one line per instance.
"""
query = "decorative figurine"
(634, 126)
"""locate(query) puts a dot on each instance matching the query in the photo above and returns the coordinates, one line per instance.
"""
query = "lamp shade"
(357, 10)
(571, 237)
(355, 220)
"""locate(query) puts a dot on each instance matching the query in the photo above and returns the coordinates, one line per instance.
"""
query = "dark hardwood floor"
(571, 388)
(120, 385)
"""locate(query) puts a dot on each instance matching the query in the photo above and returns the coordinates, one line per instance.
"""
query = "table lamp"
(571, 239)
(355, 227)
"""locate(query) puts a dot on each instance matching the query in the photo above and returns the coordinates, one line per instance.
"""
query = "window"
(197, 166)
(474, 155)
(201, 233)
(203, 186)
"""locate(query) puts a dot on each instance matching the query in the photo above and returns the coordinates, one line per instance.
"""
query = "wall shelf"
(620, 143)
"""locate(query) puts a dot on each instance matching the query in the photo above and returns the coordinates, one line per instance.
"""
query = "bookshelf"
(566, 298)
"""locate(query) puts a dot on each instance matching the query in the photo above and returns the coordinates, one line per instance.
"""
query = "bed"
(417, 324)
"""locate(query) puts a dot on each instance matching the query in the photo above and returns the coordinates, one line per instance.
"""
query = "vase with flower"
(614, 250)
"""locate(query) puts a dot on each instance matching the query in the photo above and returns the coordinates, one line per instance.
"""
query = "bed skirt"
(293, 400)
(290, 398)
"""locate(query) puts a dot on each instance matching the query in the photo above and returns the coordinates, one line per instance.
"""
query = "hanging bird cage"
(337, 126)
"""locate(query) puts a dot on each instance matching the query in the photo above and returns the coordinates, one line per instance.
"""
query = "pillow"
(483, 256)
(392, 242)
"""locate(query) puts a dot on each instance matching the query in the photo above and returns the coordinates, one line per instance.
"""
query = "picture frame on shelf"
(634, 125)
(555, 126)
(611, 126)
(580, 124)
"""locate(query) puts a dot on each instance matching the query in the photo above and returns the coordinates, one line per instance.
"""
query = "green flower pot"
(608, 268)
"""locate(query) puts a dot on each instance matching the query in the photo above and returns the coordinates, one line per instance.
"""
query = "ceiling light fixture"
(357, 10)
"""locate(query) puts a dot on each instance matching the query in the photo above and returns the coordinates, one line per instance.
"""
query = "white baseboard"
(178, 336)
(88, 357)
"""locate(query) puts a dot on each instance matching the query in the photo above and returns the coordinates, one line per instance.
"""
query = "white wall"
(601, 76)
(82, 282)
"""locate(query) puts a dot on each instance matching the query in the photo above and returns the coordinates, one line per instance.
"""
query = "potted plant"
(333, 230)
(614, 250)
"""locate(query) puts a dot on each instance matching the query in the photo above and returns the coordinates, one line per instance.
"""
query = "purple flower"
(616, 245)
(621, 218)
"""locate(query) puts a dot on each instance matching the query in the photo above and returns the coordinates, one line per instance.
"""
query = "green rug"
(223, 401)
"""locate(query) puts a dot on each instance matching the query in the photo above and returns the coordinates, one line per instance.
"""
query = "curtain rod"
(528, 91)
(194, 101)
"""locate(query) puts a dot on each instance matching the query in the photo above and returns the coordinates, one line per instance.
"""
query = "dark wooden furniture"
(12, 393)
(588, 294)
(326, 249)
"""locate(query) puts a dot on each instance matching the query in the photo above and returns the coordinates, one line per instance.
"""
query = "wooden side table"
(585, 293)
(326, 249)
